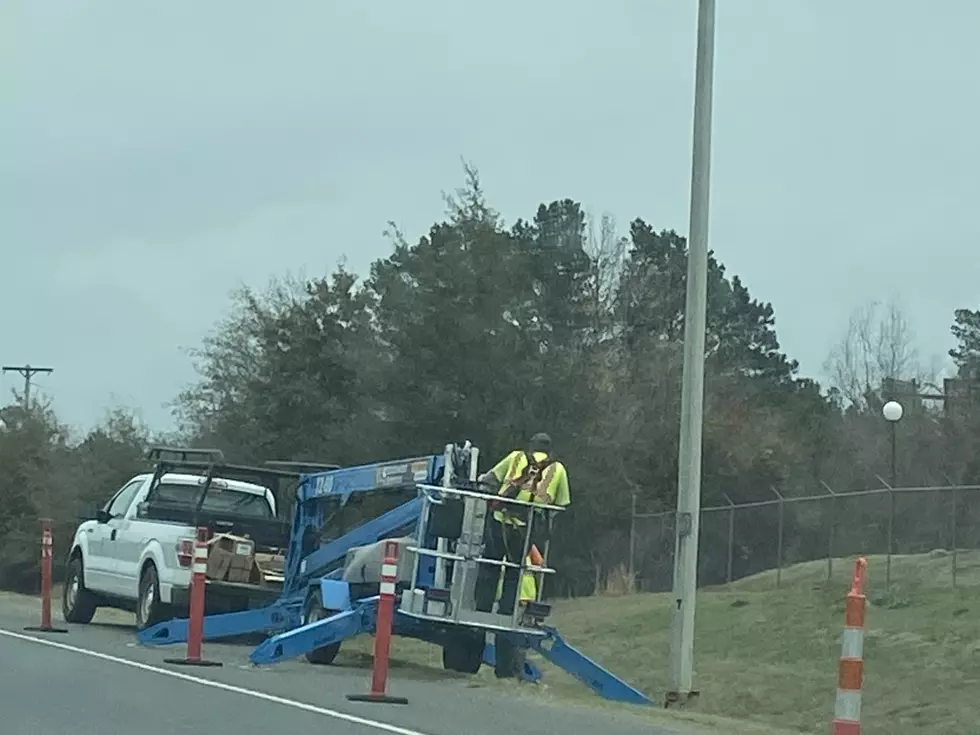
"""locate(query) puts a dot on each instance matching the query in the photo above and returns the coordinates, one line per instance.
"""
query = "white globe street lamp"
(892, 411)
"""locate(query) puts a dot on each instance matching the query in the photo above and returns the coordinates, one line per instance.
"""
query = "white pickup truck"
(136, 552)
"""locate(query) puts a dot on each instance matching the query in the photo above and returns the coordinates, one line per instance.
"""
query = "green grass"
(768, 656)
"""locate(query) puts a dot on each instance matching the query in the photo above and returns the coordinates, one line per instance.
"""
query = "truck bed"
(268, 533)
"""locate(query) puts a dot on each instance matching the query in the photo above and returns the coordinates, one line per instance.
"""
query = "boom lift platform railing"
(436, 591)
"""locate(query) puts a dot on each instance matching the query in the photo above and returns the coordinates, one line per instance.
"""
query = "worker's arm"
(490, 480)
(495, 477)
(557, 489)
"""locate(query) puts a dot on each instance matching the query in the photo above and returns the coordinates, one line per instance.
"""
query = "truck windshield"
(218, 500)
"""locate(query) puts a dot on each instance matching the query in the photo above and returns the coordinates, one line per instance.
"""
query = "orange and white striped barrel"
(850, 670)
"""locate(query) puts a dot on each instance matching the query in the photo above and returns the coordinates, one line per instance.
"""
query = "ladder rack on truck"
(210, 464)
(437, 571)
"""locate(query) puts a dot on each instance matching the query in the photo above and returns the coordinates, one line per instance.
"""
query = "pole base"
(44, 629)
(676, 699)
(845, 727)
(377, 698)
(192, 662)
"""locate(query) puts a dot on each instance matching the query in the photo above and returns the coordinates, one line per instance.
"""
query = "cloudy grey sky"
(155, 155)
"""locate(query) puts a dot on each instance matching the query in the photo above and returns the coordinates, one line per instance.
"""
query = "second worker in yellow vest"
(529, 586)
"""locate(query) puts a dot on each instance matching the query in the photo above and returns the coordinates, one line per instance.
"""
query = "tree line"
(486, 331)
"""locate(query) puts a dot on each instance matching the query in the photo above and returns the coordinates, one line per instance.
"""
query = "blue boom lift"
(330, 592)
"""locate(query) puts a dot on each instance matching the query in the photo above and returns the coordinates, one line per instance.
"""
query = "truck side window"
(119, 504)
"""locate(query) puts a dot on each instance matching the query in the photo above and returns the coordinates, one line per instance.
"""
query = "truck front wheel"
(78, 605)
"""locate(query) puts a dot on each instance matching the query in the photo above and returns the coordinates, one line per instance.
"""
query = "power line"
(27, 372)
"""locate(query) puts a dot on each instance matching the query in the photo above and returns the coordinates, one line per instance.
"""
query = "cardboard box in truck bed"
(271, 568)
(232, 559)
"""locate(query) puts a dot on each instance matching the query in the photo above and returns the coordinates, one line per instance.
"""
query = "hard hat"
(540, 442)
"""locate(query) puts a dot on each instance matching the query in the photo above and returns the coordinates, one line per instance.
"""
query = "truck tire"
(464, 653)
(78, 605)
(312, 612)
(150, 610)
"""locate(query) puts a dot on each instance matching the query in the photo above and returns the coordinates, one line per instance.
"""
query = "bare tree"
(879, 344)
(607, 249)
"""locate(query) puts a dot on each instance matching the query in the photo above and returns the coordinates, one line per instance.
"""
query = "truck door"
(102, 566)
(131, 534)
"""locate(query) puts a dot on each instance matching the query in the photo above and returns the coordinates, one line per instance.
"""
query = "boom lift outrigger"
(322, 604)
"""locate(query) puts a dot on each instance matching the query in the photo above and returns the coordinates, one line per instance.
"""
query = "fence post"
(731, 539)
(632, 562)
(832, 523)
(952, 536)
(779, 540)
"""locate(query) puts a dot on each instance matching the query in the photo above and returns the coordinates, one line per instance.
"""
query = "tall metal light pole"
(692, 391)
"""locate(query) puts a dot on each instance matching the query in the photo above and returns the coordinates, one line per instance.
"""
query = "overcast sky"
(155, 155)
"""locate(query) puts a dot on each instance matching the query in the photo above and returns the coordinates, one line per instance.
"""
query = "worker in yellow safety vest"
(529, 586)
(530, 475)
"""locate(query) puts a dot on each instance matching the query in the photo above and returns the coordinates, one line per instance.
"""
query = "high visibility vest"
(518, 477)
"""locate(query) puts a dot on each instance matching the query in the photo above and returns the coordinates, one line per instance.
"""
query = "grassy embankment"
(767, 657)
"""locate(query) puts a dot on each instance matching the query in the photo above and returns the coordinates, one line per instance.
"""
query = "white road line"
(353, 719)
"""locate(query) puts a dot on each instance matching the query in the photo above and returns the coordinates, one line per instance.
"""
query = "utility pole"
(27, 372)
(692, 390)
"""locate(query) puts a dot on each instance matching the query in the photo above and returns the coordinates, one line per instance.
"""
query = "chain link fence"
(741, 539)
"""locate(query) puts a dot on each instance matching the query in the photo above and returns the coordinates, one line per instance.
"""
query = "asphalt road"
(96, 679)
